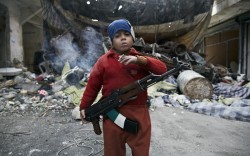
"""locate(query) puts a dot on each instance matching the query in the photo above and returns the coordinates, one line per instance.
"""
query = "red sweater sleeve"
(155, 66)
(94, 85)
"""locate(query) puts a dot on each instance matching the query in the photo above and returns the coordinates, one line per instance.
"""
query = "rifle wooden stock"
(123, 95)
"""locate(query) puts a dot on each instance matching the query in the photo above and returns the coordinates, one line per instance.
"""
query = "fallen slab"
(10, 71)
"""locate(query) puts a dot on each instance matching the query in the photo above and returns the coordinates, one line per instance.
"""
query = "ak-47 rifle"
(121, 96)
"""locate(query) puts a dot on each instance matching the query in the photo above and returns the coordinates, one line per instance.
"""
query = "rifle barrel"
(152, 78)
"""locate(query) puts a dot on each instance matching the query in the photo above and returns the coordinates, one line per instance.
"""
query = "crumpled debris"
(158, 88)
(228, 101)
(247, 84)
(65, 70)
(239, 110)
(176, 100)
(43, 92)
(76, 94)
(228, 90)
(31, 87)
(8, 83)
(157, 102)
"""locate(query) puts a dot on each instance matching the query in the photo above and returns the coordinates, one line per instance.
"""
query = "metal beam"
(35, 24)
(30, 16)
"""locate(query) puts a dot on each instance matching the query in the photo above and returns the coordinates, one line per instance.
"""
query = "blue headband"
(118, 25)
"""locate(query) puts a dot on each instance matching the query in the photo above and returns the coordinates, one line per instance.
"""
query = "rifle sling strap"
(123, 122)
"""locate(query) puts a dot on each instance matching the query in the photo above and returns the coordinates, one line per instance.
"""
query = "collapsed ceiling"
(138, 12)
(152, 20)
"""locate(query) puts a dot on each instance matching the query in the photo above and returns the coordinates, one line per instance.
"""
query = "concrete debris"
(7, 83)
(25, 93)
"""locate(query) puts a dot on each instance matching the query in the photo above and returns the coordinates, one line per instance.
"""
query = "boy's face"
(122, 41)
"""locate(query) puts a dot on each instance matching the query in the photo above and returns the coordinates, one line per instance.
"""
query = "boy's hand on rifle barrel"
(82, 114)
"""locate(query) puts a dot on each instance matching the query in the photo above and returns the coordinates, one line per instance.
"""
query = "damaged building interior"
(48, 49)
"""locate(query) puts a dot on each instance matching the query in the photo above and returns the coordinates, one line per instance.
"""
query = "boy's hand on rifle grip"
(82, 114)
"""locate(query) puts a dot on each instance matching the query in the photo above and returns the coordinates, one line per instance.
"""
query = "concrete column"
(4, 37)
(15, 30)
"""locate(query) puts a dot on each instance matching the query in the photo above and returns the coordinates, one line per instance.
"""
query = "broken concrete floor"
(174, 132)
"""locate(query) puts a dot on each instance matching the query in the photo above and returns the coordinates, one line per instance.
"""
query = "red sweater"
(108, 74)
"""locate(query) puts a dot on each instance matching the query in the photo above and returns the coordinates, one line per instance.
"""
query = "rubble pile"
(37, 94)
(228, 95)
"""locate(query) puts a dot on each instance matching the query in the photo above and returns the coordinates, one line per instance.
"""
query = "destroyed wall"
(222, 48)
(32, 42)
(14, 30)
(4, 45)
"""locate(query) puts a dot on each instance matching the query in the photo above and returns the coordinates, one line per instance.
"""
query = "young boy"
(120, 66)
